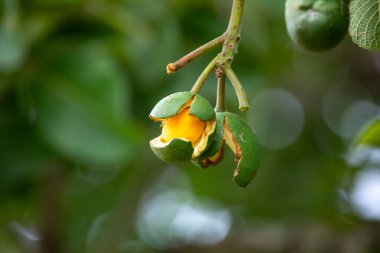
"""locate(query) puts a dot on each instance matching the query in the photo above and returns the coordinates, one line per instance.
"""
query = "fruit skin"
(178, 148)
(232, 130)
(316, 25)
(171, 105)
(214, 154)
(243, 142)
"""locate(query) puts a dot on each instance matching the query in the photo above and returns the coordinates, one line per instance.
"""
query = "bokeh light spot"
(365, 195)
(277, 117)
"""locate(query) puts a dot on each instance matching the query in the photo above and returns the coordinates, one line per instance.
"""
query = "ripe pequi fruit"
(188, 125)
(317, 25)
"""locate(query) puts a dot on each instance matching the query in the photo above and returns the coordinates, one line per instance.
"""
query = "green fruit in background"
(317, 25)
(188, 125)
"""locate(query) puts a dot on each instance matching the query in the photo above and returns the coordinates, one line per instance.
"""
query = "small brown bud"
(171, 68)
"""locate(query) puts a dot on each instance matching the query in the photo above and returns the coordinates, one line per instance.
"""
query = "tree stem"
(231, 43)
(173, 67)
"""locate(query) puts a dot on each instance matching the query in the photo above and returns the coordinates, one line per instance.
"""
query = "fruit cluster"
(192, 130)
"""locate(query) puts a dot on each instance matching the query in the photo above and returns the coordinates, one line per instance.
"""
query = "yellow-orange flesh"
(183, 125)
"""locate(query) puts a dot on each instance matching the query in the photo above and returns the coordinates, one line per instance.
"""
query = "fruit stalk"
(220, 96)
(240, 93)
(230, 48)
(204, 75)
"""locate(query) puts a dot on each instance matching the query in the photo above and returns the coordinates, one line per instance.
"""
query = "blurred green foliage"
(370, 134)
(78, 79)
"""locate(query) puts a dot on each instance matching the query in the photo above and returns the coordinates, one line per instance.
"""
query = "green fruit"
(171, 105)
(177, 150)
(243, 142)
(233, 131)
(188, 125)
(317, 25)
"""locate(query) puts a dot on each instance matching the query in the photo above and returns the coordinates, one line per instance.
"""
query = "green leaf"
(365, 23)
(370, 135)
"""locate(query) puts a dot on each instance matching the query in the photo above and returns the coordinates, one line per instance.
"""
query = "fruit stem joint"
(232, 35)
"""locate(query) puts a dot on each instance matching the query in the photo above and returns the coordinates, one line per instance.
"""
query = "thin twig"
(173, 67)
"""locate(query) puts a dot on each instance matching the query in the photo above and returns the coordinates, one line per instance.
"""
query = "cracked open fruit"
(234, 131)
(188, 125)
(215, 153)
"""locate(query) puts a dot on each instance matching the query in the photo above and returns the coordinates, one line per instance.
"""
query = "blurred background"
(78, 79)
